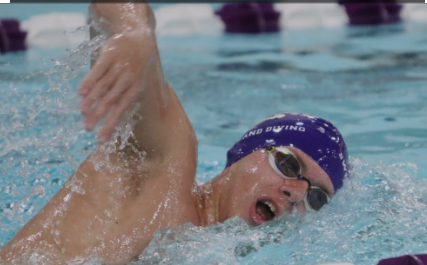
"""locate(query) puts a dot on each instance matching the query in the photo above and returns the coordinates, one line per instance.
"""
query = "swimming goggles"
(286, 164)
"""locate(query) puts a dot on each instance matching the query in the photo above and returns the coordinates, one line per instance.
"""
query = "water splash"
(377, 214)
(41, 135)
(49, 137)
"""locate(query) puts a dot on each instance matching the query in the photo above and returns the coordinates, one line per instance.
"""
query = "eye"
(287, 164)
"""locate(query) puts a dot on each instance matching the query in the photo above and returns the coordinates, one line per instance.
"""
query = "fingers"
(107, 100)
(101, 87)
(116, 112)
(98, 70)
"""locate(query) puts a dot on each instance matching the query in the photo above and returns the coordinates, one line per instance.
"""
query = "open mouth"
(263, 211)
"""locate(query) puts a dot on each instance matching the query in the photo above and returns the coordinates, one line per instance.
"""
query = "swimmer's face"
(259, 194)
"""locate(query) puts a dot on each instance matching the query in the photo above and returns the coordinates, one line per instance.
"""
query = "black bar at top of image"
(217, 1)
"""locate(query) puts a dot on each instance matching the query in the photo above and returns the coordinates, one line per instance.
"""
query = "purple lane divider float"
(249, 17)
(372, 13)
(11, 37)
(406, 260)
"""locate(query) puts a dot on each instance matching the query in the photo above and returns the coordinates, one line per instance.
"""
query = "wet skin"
(252, 179)
(148, 184)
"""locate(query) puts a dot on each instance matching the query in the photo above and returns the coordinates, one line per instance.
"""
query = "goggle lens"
(316, 198)
(287, 164)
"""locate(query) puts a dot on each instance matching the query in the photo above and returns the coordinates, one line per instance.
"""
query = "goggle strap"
(305, 179)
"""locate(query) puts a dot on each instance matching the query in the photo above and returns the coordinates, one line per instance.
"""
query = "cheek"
(260, 182)
(247, 188)
(253, 186)
(244, 194)
(252, 181)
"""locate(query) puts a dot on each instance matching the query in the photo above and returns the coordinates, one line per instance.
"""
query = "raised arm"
(109, 211)
(128, 70)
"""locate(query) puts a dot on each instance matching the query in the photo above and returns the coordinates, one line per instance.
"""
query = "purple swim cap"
(316, 137)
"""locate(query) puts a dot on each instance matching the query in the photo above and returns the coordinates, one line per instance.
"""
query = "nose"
(295, 190)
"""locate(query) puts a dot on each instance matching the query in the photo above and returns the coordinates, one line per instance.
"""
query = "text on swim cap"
(274, 129)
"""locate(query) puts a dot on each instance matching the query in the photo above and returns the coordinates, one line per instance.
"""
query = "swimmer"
(127, 190)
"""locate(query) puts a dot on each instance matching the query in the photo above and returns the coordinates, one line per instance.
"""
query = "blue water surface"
(369, 81)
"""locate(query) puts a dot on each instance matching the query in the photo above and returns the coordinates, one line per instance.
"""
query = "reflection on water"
(379, 213)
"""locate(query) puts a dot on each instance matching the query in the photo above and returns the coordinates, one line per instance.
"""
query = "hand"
(116, 79)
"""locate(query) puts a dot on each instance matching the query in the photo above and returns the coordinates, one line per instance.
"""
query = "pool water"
(369, 81)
